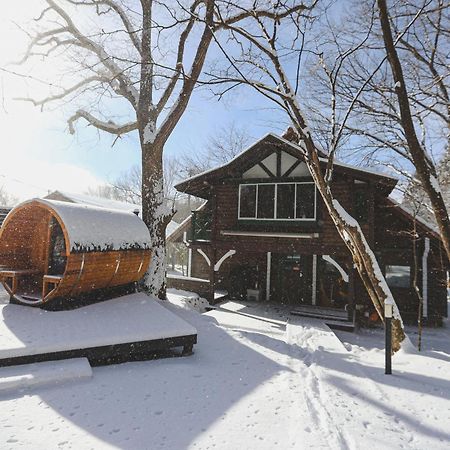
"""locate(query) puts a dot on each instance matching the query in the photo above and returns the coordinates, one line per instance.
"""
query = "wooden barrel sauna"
(51, 249)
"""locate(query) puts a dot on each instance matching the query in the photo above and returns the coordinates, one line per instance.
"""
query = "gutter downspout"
(426, 251)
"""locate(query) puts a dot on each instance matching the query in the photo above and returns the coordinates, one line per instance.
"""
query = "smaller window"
(285, 201)
(306, 202)
(247, 206)
(361, 206)
(398, 276)
(266, 201)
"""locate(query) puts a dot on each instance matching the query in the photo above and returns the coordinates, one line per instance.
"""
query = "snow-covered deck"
(126, 328)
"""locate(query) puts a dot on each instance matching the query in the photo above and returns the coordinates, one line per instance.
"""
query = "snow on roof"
(111, 204)
(92, 228)
(171, 227)
(415, 216)
(177, 226)
(100, 202)
(296, 147)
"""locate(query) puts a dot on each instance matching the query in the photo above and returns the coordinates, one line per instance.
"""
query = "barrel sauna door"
(57, 249)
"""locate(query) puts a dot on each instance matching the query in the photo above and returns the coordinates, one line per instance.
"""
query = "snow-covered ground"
(258, 379)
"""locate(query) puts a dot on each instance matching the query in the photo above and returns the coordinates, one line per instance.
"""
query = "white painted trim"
(204, 256)
(264, 234)
(190, 262)
(329, 259)
(314, 280)
(221, 260)
(268, 274)
(426, 251)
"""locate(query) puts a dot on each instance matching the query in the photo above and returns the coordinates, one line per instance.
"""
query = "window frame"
(398, 265)
(274, 218)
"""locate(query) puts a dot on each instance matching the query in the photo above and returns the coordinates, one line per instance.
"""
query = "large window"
(277, 201)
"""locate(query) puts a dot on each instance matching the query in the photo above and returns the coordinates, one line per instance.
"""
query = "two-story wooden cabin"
(264, 233)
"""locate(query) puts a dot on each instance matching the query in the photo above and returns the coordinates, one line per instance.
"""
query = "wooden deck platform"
(129, 328)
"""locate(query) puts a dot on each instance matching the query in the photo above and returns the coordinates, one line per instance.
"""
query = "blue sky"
(37, 152)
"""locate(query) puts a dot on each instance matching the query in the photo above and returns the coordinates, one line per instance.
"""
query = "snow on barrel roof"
(92, 228)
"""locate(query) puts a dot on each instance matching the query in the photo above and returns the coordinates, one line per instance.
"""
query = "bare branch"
(109, 127)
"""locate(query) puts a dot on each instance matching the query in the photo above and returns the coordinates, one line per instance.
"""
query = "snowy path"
(259, 379)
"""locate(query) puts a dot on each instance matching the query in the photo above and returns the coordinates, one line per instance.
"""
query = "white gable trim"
(343, 273)
(228, 254)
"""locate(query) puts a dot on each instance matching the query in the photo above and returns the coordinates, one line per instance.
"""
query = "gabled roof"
(200, 184)
(179, 229)
(409, 215)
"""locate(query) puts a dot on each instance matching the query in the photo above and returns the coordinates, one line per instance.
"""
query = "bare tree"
(220, 148)
(425, 168)
(148, 53)
(128, 184)
(402, 119)
(268, 61)
(7, 199)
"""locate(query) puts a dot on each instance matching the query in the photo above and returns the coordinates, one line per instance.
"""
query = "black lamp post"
(388, 313)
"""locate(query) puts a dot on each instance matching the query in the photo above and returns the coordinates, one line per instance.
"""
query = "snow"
(99, 201)
(435, 183)
(149, 133)
(131, 318)
(92, 228)
(187, 300)
(43, 374)
(415, 216)
(107, 203)
(258, 379)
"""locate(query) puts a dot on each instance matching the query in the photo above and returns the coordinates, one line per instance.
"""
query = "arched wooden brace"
(34, 272)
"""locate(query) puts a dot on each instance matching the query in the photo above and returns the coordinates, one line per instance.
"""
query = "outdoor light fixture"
(388, 313)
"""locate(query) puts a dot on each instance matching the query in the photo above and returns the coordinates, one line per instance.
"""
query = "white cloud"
(37, 178)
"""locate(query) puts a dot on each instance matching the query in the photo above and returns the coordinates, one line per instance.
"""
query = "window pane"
(266, 201)
(361, 206)
(398, 276)
(305, 201)
(285, 201)
(248, 201)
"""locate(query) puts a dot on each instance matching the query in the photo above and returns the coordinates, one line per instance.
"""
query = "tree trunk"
(353, 237)
(156, 216)
(425, 168)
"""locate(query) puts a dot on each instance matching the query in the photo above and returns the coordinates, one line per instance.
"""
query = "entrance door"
(295, 279)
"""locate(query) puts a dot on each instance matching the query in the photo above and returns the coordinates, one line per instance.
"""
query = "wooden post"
(351, 293)
(212, 274)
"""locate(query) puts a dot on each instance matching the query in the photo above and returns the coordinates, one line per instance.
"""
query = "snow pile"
(92, 228)
(187, 300)
(43, 374)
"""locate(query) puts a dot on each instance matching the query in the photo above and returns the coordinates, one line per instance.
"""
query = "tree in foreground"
(144, 57)
(425, 168)
(402, 119)
(267, 57)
